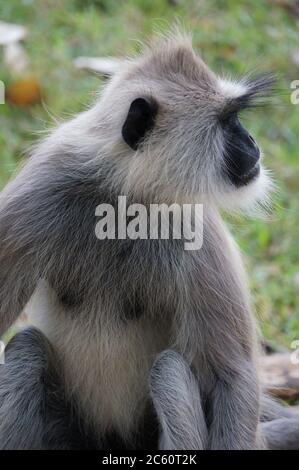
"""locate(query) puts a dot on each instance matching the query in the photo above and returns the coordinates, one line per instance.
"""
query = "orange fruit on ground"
(24, 93)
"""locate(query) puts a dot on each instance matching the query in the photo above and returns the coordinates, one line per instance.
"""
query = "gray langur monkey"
(165, 130)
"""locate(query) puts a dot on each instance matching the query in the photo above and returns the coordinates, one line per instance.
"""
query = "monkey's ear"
(140, 119)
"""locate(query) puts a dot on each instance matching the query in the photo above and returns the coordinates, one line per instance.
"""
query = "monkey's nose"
(241, 155)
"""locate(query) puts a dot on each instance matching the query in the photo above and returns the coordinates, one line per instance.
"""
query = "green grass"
(233, 37)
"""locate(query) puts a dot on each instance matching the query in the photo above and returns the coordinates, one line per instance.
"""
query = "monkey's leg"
(33, 410)
(177, 401)
(235, 411)
(272, 408)
(280, 424)
(281, 434)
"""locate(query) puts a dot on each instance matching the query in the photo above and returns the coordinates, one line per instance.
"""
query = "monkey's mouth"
(245, 178)
(251, 175)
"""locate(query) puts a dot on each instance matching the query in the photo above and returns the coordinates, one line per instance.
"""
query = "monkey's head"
(176, 130)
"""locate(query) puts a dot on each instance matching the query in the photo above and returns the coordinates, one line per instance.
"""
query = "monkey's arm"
(235, 397)
(17, 258)
(228, 332)
(235, 409)
(47, 230)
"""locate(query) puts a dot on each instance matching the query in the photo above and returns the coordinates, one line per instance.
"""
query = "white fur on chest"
(106, 366)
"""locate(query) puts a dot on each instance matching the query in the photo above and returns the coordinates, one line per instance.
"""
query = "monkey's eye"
(140, 119)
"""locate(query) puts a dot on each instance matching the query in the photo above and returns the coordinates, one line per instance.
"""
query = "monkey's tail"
(176, 397)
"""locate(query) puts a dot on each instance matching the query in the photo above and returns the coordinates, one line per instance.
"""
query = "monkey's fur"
(106, 308)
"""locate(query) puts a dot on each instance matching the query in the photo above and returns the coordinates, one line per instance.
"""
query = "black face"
(241, 155)
(140, 119)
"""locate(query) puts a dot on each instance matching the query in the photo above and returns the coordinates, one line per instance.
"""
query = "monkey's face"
(182, 132)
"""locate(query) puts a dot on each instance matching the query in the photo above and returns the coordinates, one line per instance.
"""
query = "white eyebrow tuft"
(231, 89)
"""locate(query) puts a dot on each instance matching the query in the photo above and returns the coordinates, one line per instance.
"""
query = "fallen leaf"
(103, 65)
(15, 57)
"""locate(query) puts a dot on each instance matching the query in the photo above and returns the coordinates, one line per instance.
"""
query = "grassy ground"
(233, 37)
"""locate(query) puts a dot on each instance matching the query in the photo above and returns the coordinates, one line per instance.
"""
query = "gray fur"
(282, 434)
(184, 416)
(176, 398)
(88, 291)
(34, 412)
(272, 409)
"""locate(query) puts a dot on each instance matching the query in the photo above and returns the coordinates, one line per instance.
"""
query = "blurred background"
(43, 86)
